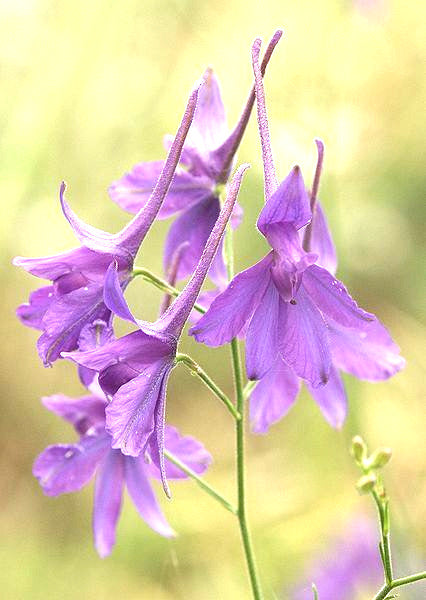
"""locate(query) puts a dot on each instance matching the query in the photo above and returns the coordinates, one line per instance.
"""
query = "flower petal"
(143, 496)
(32, 314)
(68, 467)
(368, 353)
(273, 396)
(321, 241)
(107, 504)
(304, 342)
(331, 398)
(332, 298)
(84, 413)
(262, 334)
(92, 336)
(289, 204)
(113, 295)
(232, 308)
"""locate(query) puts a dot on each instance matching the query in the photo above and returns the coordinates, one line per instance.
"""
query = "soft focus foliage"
(89, 88)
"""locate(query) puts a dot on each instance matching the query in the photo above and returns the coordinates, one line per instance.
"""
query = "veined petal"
(113, 295)
(32, 314)
(332, 298)
(262, 334)
(130, 415)
(157, 440)
(229, 312)
(143, 496)
(84, 413)
(304, 342)
(92, 336)
(331, 398)
(273, 396)
(133, 190)
(107, 504)
(289, 204)
(321, 241)
(68, 467)
(368, 353)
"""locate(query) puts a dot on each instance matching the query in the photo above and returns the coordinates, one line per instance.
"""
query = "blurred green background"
(89, 89)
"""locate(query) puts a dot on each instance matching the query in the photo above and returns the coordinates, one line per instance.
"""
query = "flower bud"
(379, 458)
(359, 449)
(366, 483)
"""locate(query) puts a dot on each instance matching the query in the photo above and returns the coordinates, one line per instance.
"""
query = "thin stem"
(161, 284)
(385, 550)
(248, 388)
(239, 425)
(203, 484)
(208, 381)
(381, 595)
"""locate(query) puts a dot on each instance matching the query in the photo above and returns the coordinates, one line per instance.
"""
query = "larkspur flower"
(293, 308)
(367, 352)
(75, 298)
(64, 468)
(134, 369)
(194, 194)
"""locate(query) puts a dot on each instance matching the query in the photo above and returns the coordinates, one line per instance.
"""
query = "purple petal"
(289, 204)
(332, 298)
(68, 467)
(130, 415)
(113, 294)
(331, 398)
(368, 353)
(273, 396)
(32, 314)
(321, 241)
(156, 446)
(262, 334)
(304, 342)
(84, 413)
(232, 308)
(107, 504)
(193, 226)
(133, 190)
(92, 336)
(143, 496)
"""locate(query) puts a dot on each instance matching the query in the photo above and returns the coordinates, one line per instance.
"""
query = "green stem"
(397, 583)
(161, 284)
(208, 381)
(385, 550)
(203, 484)
(239, 425)
(248, 388)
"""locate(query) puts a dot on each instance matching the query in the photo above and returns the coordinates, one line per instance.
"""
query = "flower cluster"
(298, 321)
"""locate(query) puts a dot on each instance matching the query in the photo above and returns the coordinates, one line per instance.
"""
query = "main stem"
(239, 426)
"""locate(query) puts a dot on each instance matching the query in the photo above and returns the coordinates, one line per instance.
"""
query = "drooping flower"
(194, 194)
(367, 352)
(350, 568)
(75, 298)
(285, 298)
(64, 468)
(134, 369)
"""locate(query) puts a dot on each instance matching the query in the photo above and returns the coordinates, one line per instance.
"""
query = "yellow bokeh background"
(89, 88)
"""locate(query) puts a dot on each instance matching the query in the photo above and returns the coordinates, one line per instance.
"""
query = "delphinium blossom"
(349, 568)
(206, 164)
(287, 303)
(75, 297)
(64, 468)
(134, 369)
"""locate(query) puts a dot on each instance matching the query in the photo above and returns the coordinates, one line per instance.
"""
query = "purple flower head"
(285, 298)
(367, 352)
(194, 194)
(75, 298)
(66, 468)
(134, 369)
(352, 564)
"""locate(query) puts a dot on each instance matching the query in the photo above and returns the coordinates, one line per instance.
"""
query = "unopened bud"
(366, 483)
(359, 449)
(379, 458)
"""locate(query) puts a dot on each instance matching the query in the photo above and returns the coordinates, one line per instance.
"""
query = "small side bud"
(366, 483)
(359, 449)
(379, 458)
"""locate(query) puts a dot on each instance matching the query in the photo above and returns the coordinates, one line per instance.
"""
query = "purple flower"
(194, 194)
(66, 468)
(75, 298)
(295, 311)
(352, 566)
(133, 370)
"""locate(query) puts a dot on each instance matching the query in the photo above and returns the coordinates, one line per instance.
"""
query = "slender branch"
(385, 550)
(208, 381)
(203, 484)
(382, 594)
(248, 388)
(161, 284)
